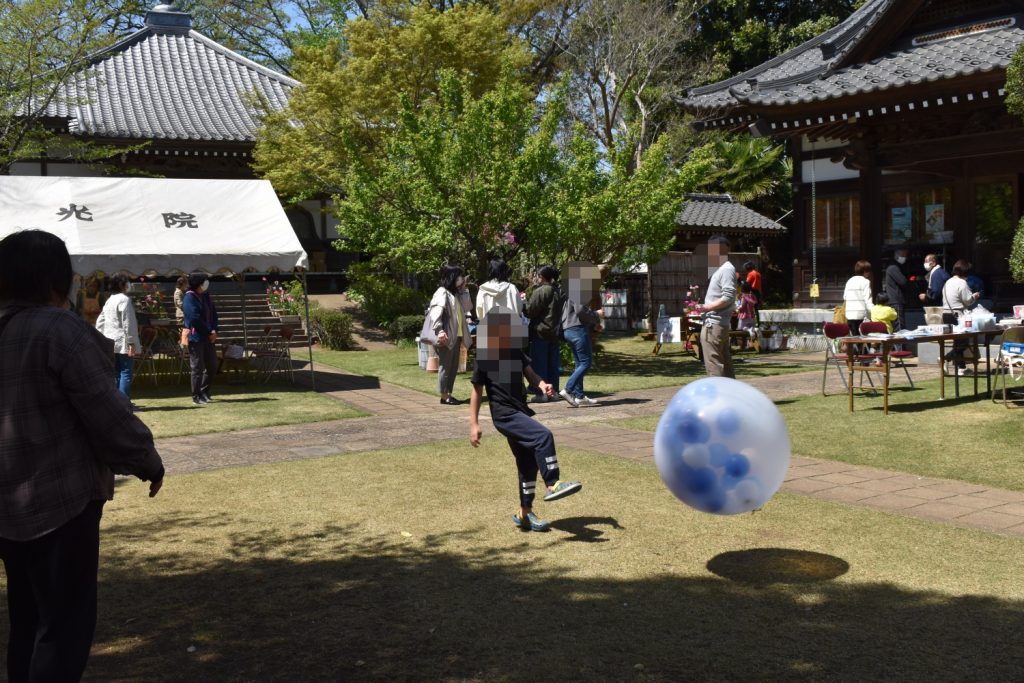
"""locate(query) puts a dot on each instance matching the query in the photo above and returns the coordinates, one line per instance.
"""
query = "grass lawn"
(969, 439)
(625, 364)
(313, 570)
(169, 411)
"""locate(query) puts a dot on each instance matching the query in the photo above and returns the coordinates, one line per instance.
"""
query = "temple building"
(897, 126)
(182, 106)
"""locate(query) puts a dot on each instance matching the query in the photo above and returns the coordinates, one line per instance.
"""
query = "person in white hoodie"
(857, 296)
(498, 291)
(117, 323)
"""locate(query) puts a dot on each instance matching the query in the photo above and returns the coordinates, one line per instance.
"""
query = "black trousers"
(202, 359)
(51, 599)
(534, 448)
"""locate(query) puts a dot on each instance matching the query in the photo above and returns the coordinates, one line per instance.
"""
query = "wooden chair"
(834, 332)
(895, 357)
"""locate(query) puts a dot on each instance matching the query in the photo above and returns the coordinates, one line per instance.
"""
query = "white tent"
(148, 226)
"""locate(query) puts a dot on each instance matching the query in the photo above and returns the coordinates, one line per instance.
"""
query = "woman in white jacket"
(498, 291)
(857, 296)
(117, 323)
(448, 321)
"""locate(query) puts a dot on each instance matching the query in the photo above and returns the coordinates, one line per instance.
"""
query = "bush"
(406, 327)
(383, 298)
(1017, 254)
(333, 329)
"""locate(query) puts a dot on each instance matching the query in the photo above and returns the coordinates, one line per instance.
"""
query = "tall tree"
(42, 46)
(624, 61)
(352, 91)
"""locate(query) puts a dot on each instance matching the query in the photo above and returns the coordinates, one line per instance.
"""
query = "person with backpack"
(544, 310)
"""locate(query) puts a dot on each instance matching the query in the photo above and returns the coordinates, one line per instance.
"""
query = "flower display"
(153, 303)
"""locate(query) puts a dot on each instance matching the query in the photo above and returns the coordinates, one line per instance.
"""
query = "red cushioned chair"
(895, 357)
(834, 331)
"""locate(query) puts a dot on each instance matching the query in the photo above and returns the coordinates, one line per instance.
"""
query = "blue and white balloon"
(722, 446)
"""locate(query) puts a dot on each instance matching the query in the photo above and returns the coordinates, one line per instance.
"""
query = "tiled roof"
(722, 212)
(805, 75)
(168, 82)
(807, 61)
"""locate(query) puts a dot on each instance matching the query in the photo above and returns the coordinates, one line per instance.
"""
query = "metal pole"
(309, 332)
(245, 327)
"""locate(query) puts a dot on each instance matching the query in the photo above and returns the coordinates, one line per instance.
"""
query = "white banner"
(155, 225)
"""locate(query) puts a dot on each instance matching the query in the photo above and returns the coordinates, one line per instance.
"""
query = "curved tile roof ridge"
(849, 31)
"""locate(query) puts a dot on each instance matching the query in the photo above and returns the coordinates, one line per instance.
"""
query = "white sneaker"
(586, 401)
(569, 398)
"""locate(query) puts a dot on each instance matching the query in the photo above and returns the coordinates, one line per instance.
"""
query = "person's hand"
(131, 351)
(922, 296)
(442, 338)
(213, 337)
(976, 295)
(474, 435)
(599, 328)
(522, 296)
(155, 486)
(546, 389)
(600, 312)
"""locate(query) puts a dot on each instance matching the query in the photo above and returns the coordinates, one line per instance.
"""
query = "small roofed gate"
(669, 279)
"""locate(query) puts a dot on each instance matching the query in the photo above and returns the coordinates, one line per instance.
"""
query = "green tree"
(464, 178)
(353, 88)
(43, 44)
(461, 177)
(1015, 104)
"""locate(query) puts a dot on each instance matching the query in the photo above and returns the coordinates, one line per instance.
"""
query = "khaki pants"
(714, 341)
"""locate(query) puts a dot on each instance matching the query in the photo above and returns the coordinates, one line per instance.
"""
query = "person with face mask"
(937, 277)
(894, 284)
(448, 320)
(201, 323)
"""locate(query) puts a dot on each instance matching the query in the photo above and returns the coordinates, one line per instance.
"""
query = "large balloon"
(722, 446)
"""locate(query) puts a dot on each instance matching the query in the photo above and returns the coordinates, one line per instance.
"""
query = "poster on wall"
(902, 223)
(935, 224)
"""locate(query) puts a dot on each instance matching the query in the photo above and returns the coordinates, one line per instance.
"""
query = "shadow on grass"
(766, 566)
(339, 605)
(333, 381)
(620, 401)
(922, 406)
(581, 528)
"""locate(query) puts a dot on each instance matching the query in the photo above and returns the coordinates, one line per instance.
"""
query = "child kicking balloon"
(501, 365)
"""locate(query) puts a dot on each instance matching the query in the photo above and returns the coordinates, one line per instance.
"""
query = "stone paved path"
(402, 417)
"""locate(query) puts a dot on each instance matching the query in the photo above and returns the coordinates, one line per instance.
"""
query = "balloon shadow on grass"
(768, 566)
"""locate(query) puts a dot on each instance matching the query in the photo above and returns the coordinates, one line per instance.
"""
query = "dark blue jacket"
(200, 315)
(936, 281)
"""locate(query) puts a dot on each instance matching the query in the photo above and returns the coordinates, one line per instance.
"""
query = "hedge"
(333, 329)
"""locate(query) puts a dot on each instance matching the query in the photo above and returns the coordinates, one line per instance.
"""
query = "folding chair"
(833, 332)
(1009, 365)
(146, 360)
(274, 355)
(895, 357)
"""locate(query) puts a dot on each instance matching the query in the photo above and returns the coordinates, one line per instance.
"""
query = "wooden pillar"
(963, 227)
(800, 219)
(872, 218)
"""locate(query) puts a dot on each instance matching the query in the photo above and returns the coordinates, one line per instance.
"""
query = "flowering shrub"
(287, 299)
(152, 303)
(693, 301)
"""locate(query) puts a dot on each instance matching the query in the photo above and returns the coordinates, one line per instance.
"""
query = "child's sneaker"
(531, 523)
(569, 398)
(586, 401)
(561, 489)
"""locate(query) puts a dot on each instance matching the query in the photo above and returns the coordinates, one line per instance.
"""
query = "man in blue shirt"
(937, 277)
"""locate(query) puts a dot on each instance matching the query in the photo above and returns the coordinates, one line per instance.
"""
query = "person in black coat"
(894, 284)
